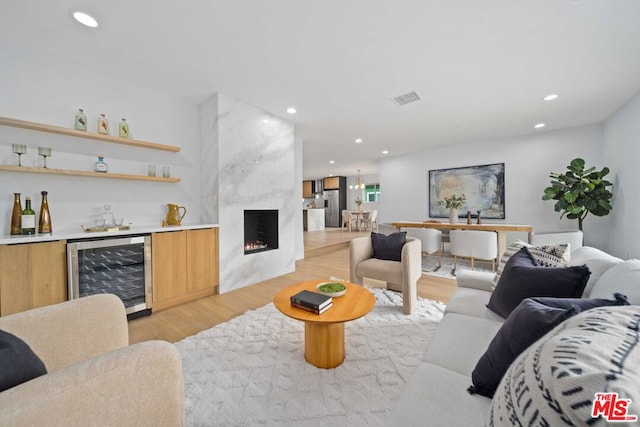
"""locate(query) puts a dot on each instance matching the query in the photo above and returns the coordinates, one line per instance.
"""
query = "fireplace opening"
(260, 231)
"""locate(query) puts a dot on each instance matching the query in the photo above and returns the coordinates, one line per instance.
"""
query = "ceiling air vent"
(406, 98)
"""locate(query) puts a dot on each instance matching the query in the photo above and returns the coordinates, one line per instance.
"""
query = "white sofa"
(436, 395)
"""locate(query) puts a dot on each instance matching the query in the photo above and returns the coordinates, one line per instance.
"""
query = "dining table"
(360, 215)
(500, 229)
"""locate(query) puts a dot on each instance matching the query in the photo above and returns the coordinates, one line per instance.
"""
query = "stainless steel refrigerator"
(332, 208)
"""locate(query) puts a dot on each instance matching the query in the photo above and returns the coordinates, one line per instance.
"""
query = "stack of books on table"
(312, 301)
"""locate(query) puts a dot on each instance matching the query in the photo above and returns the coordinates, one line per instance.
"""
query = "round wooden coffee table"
(324, 333)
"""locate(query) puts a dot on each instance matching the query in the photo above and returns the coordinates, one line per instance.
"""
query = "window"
(372, 193)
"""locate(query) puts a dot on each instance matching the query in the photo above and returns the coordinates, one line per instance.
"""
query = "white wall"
(622, 156)
(528, 161)
(44, 90)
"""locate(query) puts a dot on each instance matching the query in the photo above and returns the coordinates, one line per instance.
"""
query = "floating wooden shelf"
(5, 121)
(12, 168)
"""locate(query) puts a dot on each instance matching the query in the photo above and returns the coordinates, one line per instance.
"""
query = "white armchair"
(475, 245)
(94, 377)
(400, 275)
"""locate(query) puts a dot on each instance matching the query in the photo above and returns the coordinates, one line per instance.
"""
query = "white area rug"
(251, 370)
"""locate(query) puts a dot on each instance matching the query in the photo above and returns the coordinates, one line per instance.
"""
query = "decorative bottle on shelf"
(16, 215)
(28, 218)
(100, 165)
(81, 120)
(468, 217)
(123, 129)
(44, 221)
(103, 125)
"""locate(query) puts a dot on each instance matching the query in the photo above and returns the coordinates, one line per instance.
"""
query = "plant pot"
(453, 215)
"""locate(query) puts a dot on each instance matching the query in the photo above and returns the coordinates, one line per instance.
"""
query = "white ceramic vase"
(453, 215)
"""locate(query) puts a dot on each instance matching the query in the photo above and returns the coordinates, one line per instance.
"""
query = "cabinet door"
(202, 259)
(169, 259)
(332, 183)
(32, 275)
(308, 188)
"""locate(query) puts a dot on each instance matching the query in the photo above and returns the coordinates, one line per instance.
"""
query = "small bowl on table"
(332, 289)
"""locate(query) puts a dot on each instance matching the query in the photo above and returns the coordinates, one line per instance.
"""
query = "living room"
(46, 79)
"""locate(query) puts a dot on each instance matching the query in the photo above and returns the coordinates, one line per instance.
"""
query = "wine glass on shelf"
(19, 149)
(44, 152)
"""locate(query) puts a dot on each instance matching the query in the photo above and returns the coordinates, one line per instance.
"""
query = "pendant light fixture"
(359, 183)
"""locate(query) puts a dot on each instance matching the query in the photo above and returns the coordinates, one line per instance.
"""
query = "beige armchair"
(94, 378)
(400, 276)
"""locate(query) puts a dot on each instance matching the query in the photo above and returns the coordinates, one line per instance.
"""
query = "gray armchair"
(400, 276)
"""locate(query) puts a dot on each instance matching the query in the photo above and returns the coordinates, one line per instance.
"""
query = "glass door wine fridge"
(120, 266)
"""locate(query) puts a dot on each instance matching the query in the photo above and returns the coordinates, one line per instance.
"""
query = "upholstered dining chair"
(430, 239)
(474, 244)
(370, 220)
(348, 220)
(401, 276)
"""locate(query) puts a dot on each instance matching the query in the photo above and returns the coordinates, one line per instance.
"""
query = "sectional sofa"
(436, 395)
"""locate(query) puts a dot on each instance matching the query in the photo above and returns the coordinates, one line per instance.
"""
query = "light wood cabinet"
(308, 188)
(32, 275)
(185, 266)
(332, 183)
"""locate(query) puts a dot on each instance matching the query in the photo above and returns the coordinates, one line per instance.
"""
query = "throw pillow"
(583, 304)
(525, 325)
(556, 380)
(522, 278)
(545, 256)
(622, 277)
(19, 363)
(388, 247)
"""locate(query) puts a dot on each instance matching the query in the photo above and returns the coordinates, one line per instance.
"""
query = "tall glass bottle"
(44, 222)
(81, 120)
(16, 215)
(103, 125)
(123, 129)
(28, 218)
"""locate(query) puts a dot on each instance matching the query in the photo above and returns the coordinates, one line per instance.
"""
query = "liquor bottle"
(81, 120)
(28, 218)
(16, 215)
(101, 165)
(123, 129)
(103, 125)
(44, 222)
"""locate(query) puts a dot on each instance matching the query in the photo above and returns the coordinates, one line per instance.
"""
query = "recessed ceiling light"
(85, 19)
(291, 110)
(331, 162)
(358, 141)
(330, 174)
(385, 152)
(550, 97)
(265, 121)
(539, 125)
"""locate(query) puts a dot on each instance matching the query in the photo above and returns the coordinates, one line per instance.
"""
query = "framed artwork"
(482, 185)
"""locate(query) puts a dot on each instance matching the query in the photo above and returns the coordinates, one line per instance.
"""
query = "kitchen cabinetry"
(185, 266)
(308, 188)
(39, 127)
(32, 275)
(333, 182)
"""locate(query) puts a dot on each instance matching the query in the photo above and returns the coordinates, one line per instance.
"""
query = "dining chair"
(474, 244)
(431, 240)
(371, 220)
(348, 220)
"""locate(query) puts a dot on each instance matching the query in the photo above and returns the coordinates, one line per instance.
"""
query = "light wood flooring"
(326, 255)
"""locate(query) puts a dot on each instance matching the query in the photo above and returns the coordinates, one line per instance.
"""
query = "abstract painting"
(482, 185)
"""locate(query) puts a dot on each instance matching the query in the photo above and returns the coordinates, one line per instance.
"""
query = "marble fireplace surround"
(247, 163)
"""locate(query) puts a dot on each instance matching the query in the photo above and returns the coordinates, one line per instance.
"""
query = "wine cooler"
(120, 266)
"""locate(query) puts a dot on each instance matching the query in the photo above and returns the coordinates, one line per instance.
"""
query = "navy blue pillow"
(529, 322)
(18, 363)
(583, 303)
(388, 247)
(523, 278)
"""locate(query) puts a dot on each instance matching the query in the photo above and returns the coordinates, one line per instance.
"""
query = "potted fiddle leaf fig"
(580, 191)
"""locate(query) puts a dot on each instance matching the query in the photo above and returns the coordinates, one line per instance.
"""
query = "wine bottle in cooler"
(44, 222)
(28, 218)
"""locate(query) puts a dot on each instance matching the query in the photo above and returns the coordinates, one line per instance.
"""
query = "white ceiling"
(481, 67)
